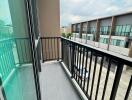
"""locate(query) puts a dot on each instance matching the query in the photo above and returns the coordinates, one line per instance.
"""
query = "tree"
(64, 35)
(69, 35)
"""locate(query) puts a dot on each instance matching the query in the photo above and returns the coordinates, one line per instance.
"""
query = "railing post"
(2, 97)
(116, 81)
(58, 49)
(72, 59)
(62, 57)
(42, 55)
(128, 89)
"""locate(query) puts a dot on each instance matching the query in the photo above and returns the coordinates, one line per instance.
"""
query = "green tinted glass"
(117, 30)
(113, 42)
(131, 31)
(16, 69)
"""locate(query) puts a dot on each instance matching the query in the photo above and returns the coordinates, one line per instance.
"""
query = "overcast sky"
(81, 10)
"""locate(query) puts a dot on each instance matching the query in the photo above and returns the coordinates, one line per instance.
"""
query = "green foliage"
(67, 35)
(64, 35)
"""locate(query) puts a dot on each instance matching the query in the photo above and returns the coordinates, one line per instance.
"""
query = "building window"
(105, 30)
(90, 38)
(130, 31)
(104, 40)
(117, 42)
(92, 30)
(122, 30)
(83, 36)
(113, 42)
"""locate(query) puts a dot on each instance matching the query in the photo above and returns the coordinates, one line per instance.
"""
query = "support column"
(87, 31)
(80, 31)
(97, 35)
(1, 94)
(113, 22)
(72, 28)
(75, 31)
(130, 51)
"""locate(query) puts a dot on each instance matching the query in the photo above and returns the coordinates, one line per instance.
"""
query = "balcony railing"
(97, 72)
(50, 48)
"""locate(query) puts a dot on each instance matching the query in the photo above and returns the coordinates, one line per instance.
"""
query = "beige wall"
(49, 17)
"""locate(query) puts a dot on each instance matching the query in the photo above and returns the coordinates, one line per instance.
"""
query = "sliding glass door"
(18, 58)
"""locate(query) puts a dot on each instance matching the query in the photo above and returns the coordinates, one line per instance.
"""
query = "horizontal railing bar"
(115, 56)
(1, 40)
(7, 39)
(48, 37)
(86, 59)
(22, 38)
(51, 59)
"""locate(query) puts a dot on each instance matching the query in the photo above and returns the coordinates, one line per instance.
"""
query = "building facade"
(112, 33)
(65, 29)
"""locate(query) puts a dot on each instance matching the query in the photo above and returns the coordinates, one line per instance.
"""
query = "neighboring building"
(65, 29)
(112, 33)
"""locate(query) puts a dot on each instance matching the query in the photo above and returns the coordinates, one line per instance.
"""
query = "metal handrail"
(75, 55)
(125, 59)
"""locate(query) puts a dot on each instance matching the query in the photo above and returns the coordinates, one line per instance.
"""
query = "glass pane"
(118, 42)
(120, 30)
(122, 43)
(131, 31)
(123, 30)
(113, 42)
(16, 69)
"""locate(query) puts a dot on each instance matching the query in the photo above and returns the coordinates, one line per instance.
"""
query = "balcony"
(100, 75)
(70, 71)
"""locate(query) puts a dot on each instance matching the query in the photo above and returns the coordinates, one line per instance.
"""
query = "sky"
(81, 10)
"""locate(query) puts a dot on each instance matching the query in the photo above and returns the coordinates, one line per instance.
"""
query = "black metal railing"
(7, 61)
(13, 51)
(89, 68)
(50, 47)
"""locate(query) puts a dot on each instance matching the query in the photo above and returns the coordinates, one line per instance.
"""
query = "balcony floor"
(55, 84)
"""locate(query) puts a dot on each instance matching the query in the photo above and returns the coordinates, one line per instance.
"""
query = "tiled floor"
(55, 84)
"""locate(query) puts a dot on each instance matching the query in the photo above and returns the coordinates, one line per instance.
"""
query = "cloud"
(76, 1)
(68, 18)
(113, 9)
(127, 2)
(78, 10)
